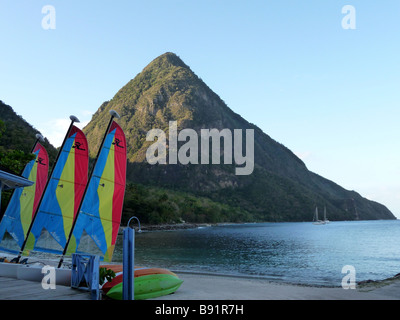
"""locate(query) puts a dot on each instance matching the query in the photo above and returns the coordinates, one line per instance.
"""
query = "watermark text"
(188, 153)
(349, 280)
(49, 278)
(349, 20)
(49, 20)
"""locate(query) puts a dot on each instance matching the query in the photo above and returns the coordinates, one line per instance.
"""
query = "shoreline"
(189, 225)
(171, 226)
(256, 278)
(214, 286)
(363, 284)
(197, 286)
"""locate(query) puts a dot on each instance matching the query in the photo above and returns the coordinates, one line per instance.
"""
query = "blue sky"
(329, 94)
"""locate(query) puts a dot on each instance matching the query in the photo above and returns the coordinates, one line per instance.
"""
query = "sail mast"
(39, 137)
(73, 120)
(113, 114)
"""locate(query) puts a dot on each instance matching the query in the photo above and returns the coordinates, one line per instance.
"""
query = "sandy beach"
(209, 287)
(216, 287)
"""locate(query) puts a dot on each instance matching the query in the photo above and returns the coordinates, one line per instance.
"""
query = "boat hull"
(149, 286)
(34, 273)
(139, 272)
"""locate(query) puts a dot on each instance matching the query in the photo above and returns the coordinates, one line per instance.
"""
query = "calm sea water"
(291, 252)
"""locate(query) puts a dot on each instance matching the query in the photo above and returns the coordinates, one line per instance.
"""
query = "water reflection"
(294, 252)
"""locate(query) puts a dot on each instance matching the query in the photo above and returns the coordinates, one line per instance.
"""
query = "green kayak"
(150, 286)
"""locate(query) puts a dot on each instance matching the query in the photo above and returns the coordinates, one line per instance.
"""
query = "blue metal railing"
(85, 273)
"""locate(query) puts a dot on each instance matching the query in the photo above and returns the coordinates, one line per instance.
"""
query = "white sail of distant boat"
(316, 221)
(325, 219)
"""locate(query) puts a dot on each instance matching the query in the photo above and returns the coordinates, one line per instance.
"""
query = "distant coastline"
(170, 226)
(185, 225)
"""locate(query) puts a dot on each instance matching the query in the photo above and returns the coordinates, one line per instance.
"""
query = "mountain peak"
(281, 187)
(166, 60)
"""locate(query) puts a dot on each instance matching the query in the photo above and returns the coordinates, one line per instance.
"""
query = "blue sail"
(62, 196)
(100, 214)
(24, 201)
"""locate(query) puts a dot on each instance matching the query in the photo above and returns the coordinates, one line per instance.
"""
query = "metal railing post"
(128, 285)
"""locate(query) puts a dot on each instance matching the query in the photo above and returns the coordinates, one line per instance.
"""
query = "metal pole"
(128, 272)
(113, 114)
(137, 219)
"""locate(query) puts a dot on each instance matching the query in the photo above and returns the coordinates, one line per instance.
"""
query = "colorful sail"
(62, 196)
(24, 201)
(100, 214)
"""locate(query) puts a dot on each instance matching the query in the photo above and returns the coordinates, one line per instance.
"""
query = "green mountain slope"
(280, 188)
(19, 134)
(17, 138)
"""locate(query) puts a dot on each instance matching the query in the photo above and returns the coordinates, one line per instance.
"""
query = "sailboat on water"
(325, 219)
(316, 221)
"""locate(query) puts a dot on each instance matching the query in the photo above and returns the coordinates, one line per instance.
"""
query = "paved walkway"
(15, 289)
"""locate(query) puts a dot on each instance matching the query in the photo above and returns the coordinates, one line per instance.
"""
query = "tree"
(13, 160)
